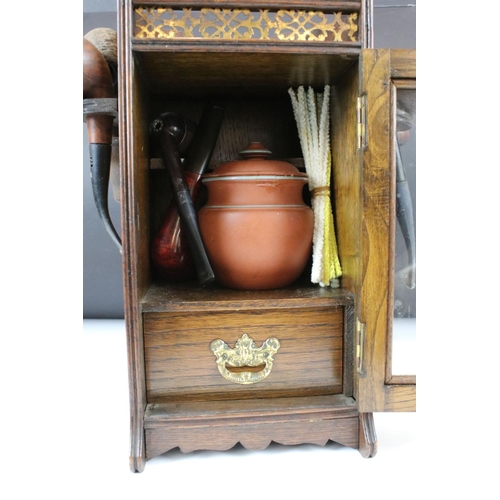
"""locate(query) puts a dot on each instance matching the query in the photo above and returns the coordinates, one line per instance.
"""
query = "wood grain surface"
(178, 397)
(270, 4)
(190, 298)
(219, 425)
(180, 364)
(378, 391)
(231, 71)
(134, 228)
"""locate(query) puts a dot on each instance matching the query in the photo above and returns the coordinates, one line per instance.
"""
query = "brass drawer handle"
(245, 354)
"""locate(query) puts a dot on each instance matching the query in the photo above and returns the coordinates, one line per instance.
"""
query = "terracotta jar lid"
(255, 162)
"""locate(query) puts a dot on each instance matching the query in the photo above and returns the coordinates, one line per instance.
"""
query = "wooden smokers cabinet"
(330, 368)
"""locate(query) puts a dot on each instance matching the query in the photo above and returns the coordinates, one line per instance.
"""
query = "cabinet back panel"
(269, 121)
(202, 75)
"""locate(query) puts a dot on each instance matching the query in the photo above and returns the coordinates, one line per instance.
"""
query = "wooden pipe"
(105, 40)
(168, 130)
(97, 84)
(170, 252)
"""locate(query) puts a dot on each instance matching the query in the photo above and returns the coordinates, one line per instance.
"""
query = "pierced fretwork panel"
(244, 24)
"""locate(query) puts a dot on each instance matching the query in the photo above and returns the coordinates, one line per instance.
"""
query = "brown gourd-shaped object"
(98, 83)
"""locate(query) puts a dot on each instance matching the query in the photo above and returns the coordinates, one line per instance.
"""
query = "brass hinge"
(360, 347)
(361, 121)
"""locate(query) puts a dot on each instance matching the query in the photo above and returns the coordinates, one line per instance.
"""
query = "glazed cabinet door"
(386, 330)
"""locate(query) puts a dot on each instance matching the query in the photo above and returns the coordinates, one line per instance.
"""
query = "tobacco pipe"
(98, 84)
(105, 40)
(170, 252)
(404, 207)
(169, 130)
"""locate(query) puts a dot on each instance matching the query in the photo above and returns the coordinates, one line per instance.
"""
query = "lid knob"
(255, 150)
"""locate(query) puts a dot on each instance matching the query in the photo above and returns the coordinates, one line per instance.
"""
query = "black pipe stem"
(204, 139)
(185, 206)
(100, 166)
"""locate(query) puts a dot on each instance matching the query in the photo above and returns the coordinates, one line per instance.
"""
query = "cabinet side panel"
(366, 24)
(346, 184)
(138, 184)
(347, 179)
(134, 208)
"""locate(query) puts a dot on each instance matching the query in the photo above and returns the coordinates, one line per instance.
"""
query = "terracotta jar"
(256, 228)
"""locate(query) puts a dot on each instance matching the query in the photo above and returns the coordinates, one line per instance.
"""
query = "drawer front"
(181, 365)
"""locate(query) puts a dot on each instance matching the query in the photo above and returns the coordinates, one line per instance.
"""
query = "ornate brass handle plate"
(245, 353)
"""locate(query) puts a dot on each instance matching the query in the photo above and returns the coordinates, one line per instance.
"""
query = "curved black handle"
(168, 133)
(100, 166)
(204, 139)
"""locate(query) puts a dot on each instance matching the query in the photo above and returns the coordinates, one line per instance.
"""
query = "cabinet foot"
(367, 435)
(137, 464)
(137, 459)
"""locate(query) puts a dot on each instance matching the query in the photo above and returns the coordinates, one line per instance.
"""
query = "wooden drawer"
(180, 365)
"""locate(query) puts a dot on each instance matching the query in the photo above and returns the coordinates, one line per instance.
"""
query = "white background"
(64, 396)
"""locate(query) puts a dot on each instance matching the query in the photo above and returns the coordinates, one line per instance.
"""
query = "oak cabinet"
(331, 367)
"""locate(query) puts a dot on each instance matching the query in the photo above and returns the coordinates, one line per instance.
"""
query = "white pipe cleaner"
(312, 115)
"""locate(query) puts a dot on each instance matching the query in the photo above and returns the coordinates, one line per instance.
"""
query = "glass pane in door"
(405, 311)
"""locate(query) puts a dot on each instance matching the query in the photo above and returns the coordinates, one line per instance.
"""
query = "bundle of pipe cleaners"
(312, 115)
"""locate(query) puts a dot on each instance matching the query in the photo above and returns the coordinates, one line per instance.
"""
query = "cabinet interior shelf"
(191, 297)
